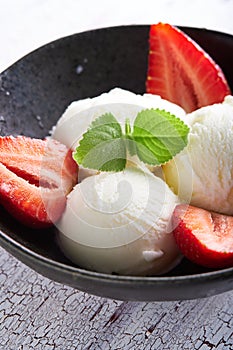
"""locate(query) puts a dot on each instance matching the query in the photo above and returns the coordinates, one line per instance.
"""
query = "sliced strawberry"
(35, 178)
(204, 237)
(180, 71)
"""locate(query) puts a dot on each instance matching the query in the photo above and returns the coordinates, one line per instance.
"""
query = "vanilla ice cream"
(121, 103)
(203, 172)
(120, 223)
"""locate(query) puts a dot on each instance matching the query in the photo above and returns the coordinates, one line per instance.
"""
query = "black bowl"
(34, 93)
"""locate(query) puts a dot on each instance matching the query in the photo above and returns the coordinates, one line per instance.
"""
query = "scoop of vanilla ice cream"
(120, 223)
(121, 103)
(203, 172)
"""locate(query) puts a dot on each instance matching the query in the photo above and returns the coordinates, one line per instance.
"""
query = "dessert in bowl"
(47, 101)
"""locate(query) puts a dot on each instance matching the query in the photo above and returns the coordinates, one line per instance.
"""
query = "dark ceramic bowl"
(34, 93)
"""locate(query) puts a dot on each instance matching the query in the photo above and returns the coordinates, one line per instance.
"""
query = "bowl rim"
(145, 25)
(12, 245)
(215, 274)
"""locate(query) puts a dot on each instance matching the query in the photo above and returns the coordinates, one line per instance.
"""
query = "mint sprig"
(156, 137)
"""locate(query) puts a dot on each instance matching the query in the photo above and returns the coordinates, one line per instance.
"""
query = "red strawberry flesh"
(35, 178)
(180, 71)
(204, 237)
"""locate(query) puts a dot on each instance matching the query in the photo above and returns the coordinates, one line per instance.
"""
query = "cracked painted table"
(37, 313)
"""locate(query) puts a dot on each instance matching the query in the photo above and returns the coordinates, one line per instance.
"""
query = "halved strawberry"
(204, 237)
(35, 178)
(180, 71)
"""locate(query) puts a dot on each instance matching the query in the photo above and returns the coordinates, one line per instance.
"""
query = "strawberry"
(35, 178)
(204, 237)
(180, 71)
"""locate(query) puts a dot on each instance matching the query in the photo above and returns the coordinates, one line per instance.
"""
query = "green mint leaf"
(127, 127)
(102, 146)
(159, 136)
(130, 144)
